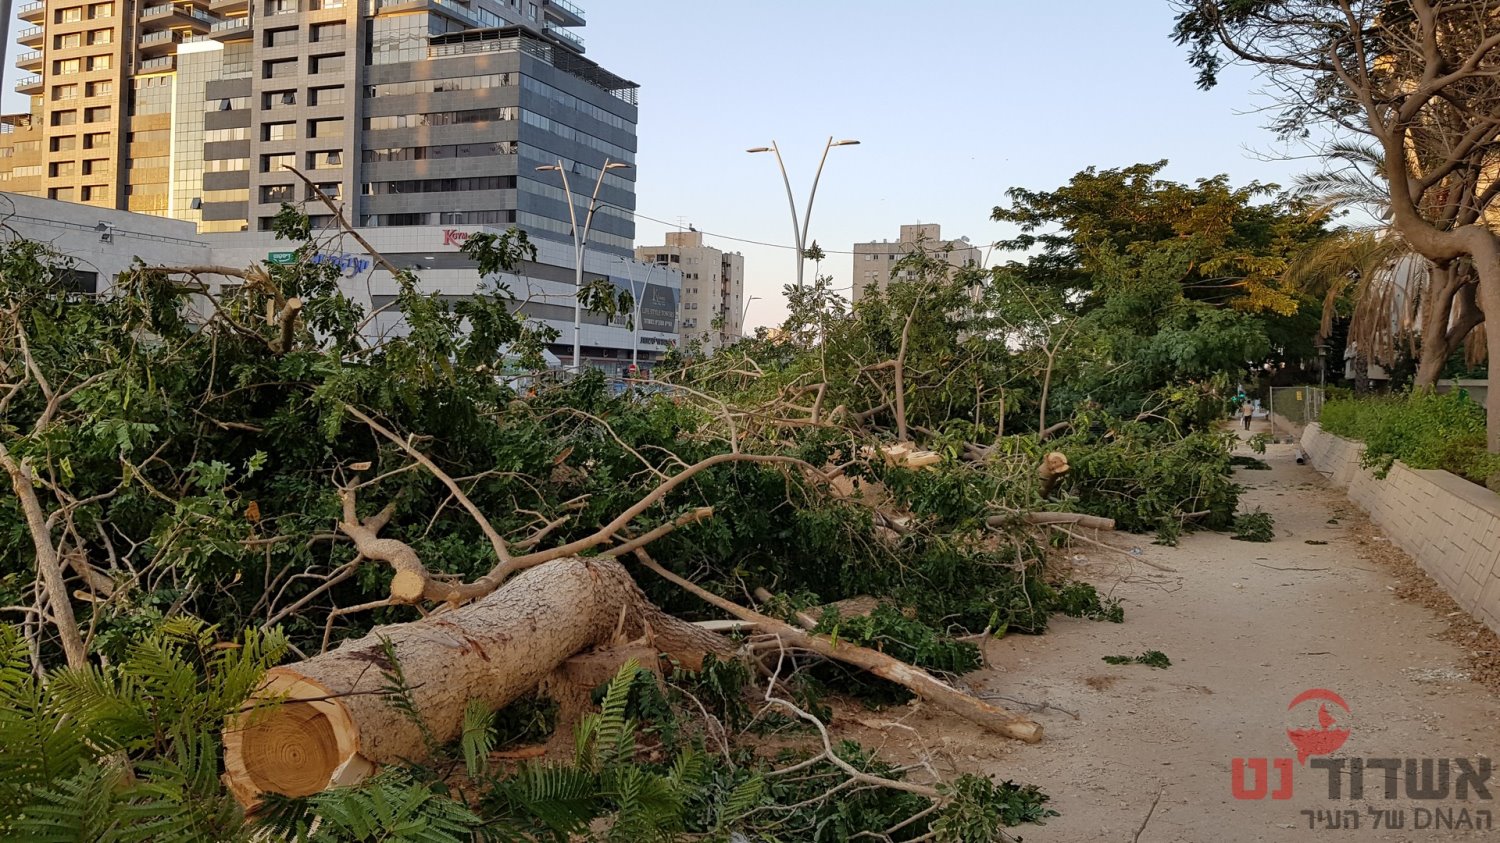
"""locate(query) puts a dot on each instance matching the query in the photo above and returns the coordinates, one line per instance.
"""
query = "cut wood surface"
(337, 715)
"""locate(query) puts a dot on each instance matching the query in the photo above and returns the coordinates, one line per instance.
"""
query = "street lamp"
(745, 314)
(635, 338)
(580, 241)
(799, 233)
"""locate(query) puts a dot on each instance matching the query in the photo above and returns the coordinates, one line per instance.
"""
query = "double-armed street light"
(799, 231)
(635, 337)
(580, 242)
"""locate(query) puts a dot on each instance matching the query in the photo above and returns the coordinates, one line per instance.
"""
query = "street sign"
(281, 257)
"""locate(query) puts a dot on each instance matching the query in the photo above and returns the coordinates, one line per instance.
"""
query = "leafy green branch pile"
(193, 469)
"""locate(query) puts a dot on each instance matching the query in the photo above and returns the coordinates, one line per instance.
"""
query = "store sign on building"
(350, 265)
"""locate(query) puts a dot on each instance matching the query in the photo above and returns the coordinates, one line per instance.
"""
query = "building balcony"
(160, 42)
(30, 61)
(565, 13)
(158, 65)
(32, 36)
(29, 85)
(170, 15)
(33, 12)
(230, 29)
(224, 7)
(566, 36)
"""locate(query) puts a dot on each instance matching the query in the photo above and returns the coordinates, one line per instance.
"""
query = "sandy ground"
(1248, 627)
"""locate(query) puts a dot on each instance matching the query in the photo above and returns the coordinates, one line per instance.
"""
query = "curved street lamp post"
(580, 242)
(799, 231)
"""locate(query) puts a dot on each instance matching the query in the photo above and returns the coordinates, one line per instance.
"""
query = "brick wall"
(1451, 527)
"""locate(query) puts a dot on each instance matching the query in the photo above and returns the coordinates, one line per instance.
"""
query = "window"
(64, 92)
(278, 131)
(63, 143)
(281, 7)
(327, 4)
(327, 64)
(326, 96)
(101, 10)
(275, 193)
(64, 118)
(220, 135)
(280, 68)
(237, 194)
(67, 42)
(98, 114)
(233, 103)
(96, 140)
(274, 163)
(333, 190)
(66, 67)
(70, 15)
(60, 169)
(331, 160)
(95, 192)
(327, 31)
(226, 165)
(333, 128)
(441, 118)
(62, 194)
(99, 89)
(104, 62)
(278, 99)
(101, 36)
(161, 136)
(281, 37)
(96, 166)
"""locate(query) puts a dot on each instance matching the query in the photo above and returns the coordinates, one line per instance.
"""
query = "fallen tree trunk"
(337, 723)
(914, 679)
(1046, 519)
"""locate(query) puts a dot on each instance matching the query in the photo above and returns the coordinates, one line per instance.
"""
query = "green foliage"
(127, 752)
(1150, 658)
(1148, 478)
(1422, 429)
(390, 806)
(886, 629)
(1259, 441)
(1081, 600)
(1254, 526)
(980, 808)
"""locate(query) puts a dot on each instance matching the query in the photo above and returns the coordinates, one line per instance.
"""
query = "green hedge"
(1422, 429)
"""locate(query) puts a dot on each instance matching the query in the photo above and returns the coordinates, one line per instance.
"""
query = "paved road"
(1248, 627)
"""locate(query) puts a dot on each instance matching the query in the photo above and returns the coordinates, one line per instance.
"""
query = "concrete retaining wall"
(1451, 527)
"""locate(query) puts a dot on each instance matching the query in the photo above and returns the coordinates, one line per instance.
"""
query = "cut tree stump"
(336, 723)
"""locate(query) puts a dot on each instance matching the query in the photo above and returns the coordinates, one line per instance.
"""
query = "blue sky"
(954, 101)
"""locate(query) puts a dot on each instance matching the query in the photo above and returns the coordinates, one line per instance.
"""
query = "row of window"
(66, 143)
(441, 118)
(381, 188)
(149, 162)
(484, 217)
(90, 89)
(238, 194)
(275, 193)
(326, 160)
(439, 152)
(62, 67)
(282, 68)
(288, 36)
(273, 100)
(439, 86)
(566, 132)
(74, 14)
(572, 103)
(226, 165)
(220, 135)
(96, 114)
(290, 7)
(73, 40)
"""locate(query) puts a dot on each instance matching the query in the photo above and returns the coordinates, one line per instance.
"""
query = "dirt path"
(1248, 627)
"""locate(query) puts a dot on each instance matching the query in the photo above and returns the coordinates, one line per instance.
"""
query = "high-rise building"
(712, 308)
(407, 112)
(874, 262)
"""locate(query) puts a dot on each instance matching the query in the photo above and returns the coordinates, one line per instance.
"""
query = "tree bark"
(48, 561)
(337, 723)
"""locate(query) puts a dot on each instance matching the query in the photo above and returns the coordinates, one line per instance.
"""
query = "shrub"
(1422, 429)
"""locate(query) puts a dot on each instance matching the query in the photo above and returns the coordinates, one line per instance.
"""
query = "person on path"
(1247, 412)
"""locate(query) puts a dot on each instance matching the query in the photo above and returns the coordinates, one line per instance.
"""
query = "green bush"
(1422, 429)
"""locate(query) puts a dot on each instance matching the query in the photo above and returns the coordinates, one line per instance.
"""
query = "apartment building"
(713, 286)
(407, 112)
(874, 263)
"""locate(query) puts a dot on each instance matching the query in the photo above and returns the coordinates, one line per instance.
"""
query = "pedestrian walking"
(1247, 412)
